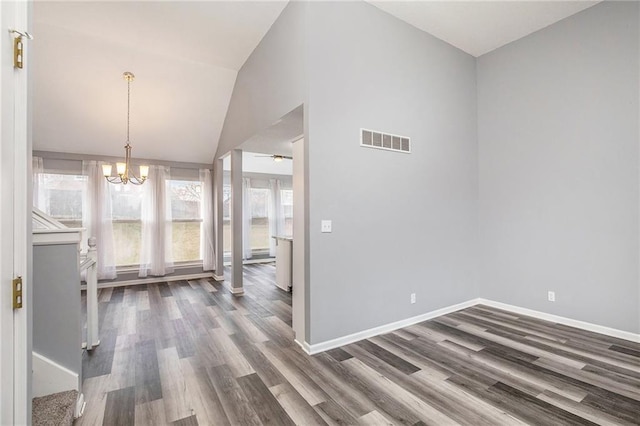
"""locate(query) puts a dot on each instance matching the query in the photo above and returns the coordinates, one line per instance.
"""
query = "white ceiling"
(478, 27)
(262, 163)
(186, 56)
(278, 138)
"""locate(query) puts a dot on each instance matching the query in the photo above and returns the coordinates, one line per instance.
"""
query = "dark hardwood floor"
(189, 353)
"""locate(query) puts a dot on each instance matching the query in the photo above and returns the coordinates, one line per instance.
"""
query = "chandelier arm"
(113, 179)
(137, 180)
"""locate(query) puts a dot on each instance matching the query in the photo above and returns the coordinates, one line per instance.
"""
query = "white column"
(93, 338)
(236, 222)
(218, 202)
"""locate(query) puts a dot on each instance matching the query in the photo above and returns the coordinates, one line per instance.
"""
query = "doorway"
(266, 196)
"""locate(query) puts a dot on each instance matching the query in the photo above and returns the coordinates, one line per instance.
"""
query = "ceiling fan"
(277, 158)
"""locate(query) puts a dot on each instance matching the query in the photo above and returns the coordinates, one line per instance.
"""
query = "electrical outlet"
(551, 296)
(413, 298)
(325, 226)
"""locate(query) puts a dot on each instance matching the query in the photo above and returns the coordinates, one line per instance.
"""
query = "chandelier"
(125, 174)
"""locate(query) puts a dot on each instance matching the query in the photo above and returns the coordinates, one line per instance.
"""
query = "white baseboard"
(365, 334)
(607, 331)
(232, 290)
(150, 280)
(218, 277)
(80, 404)
(304, 345)
(50, 377)
(253, 261)
(375, 331)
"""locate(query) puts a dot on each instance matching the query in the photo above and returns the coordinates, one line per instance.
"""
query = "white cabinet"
(284, 273)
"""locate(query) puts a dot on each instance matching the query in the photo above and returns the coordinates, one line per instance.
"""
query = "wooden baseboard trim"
(233, 290)
(50, 377)
(583, 325)
(80, 404)
(149, 280)
(386, 328)
(304, 345)
(375, 331)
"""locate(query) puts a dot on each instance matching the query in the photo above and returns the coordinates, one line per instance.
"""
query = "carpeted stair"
(55, 410)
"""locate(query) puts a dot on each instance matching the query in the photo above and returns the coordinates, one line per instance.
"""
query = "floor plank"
(120, 407)
(263, 402)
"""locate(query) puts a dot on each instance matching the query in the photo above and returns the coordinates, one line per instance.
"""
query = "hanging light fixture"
(125, 174)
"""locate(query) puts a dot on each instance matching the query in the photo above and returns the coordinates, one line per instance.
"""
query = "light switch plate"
(325, 226)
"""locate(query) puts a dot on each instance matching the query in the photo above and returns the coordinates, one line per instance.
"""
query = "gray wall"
(402, 223)
(558, 166)
(56, 305)
(271, 82)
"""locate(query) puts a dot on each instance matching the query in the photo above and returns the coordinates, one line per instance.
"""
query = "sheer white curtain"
(155, 251)
(246, 218)
(96, 218)
(206, 228)
(39, 199)
(276, 214)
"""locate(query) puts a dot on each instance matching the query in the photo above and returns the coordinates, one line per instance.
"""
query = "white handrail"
(90, 263)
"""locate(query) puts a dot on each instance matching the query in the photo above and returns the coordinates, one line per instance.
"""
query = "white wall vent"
(379, 140)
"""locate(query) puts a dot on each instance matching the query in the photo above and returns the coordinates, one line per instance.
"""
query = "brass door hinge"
(17, 52)
(17, 293)
(18, 46)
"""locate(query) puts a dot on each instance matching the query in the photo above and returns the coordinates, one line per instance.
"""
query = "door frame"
(15, 221)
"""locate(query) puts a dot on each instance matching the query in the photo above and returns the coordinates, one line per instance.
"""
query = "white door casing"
(15, 222)
(6, 218)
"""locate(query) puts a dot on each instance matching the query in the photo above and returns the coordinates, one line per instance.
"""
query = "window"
(186, 215)
(126, 202)
(61, 196)
(286, 199)
(259, 220)
(259, 207)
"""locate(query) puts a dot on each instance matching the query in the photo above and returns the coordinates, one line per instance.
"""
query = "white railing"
(90, 264)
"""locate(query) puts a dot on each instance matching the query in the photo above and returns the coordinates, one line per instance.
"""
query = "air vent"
(379, 140)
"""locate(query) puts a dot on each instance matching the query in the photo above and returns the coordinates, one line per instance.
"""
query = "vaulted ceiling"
(186, 56)
(480, 26)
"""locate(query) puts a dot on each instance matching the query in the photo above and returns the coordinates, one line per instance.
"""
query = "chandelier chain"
(128, 105)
